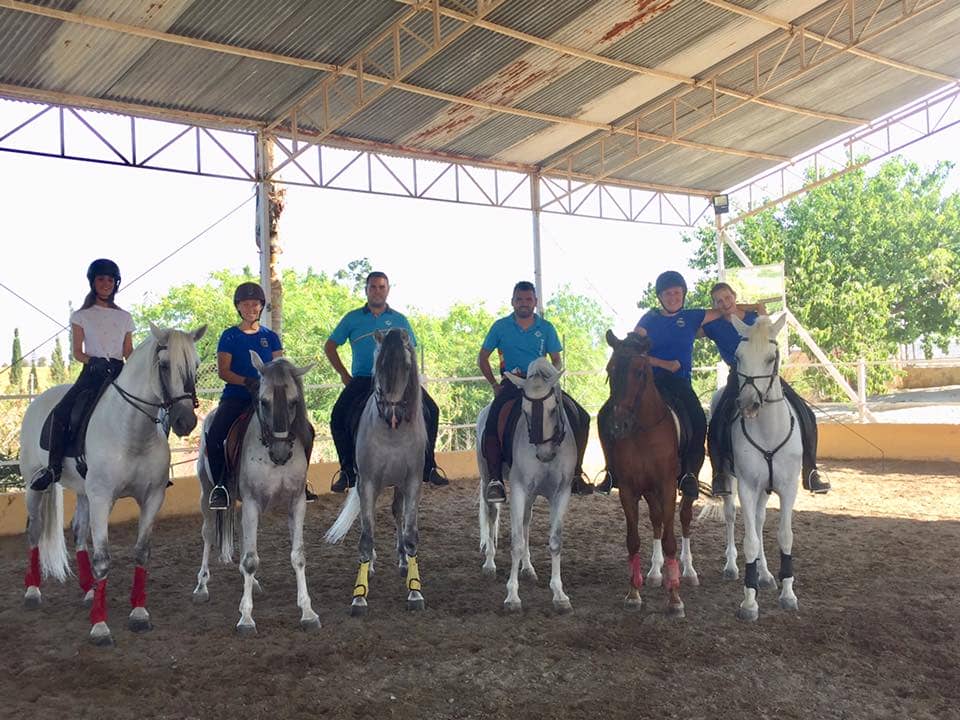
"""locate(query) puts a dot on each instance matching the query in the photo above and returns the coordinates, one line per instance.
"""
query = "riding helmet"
(103, 266)
(670, 279)
(249, 291)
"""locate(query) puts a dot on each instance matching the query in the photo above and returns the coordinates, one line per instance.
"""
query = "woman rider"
(242, 382)
(102, 340)
(726, 338)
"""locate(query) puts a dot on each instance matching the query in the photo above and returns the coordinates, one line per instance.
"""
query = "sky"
(57, 215)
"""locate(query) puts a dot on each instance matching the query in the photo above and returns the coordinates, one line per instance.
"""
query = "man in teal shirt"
(520, 338)
(357, 327)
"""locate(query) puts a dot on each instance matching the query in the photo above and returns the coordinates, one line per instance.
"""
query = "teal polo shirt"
(518, 347)
(358, 327)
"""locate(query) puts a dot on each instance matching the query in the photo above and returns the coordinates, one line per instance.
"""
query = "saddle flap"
(506, 424)
(76, 430)
(233, 445)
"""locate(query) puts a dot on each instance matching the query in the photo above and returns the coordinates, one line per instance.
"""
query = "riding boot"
(51, 473)
(309, 494)
(343, 480)
(688, 485)
(495, 492)
(581, 483)
(722, 482)
(435, 476)
(814, 483)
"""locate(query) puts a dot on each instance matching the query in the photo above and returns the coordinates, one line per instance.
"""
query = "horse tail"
(226, 521)
(341, 526)
(54, 560)
(712, 510)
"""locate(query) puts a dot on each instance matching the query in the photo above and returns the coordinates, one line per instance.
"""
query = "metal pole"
(535, 214)
(263, 221)
(721, 263)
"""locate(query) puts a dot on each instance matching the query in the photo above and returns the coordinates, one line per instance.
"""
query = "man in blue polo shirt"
(357, 327)
(520, 338)
(726, 338)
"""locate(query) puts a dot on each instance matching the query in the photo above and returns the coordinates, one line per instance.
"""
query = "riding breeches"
(227, 413)
(678, 393)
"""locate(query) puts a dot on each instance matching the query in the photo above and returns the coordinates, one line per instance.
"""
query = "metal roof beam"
(763, 84)
(641, 70)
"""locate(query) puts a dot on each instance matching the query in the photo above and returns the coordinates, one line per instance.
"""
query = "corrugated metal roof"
(574, 101)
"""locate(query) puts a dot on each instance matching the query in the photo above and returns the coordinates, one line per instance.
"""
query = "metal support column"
(721, 262)
(263, 220)
(535, 215)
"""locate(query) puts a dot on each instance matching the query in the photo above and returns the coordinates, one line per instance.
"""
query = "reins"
(167, 402)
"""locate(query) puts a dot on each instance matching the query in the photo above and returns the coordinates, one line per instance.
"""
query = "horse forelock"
(281, 372)
(759, 341)
(395, 366)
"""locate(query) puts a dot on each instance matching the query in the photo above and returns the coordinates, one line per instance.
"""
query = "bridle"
(750, 380)
(535, 422)
(392, 412)
(168, 401)
(274, 434)
(634, 407)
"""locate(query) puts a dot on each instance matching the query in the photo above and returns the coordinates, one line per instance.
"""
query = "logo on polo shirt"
(263, 342)
(388, 323)
(538, 334)
(681, 322)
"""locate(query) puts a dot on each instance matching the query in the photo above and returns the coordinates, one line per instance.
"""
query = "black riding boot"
(814, 483)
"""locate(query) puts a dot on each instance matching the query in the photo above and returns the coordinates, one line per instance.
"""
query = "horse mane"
(283, 368)
(391, 347)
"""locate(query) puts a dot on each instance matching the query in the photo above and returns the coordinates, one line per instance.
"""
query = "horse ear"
(378, 336)
(778, 325)
(198, 333)
(612, 340)
(740, 325)
(515, 379)
(160, 334)
(256, 360)
(301, 371)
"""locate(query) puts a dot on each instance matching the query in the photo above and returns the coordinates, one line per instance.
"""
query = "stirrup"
(219, 498)
(44, 481)
(436, 476)
(309, 494)
(815, 484)
(606, 485)
(582, 485)
(342, 481)
(689, 486)
(496, 492)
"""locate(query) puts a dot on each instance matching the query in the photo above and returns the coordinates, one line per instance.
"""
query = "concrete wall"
(898, 441)
(917, 377)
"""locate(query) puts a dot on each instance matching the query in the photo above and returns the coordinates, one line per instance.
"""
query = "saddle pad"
(233, 445)
(80, 413)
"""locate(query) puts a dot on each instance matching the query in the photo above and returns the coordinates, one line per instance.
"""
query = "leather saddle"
(233, 448)
(76, 430)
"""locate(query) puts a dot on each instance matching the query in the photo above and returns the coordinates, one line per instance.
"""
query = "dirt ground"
(877, 634)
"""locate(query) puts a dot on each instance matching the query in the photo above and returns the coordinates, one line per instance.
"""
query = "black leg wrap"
(786, 566)
(751, 577)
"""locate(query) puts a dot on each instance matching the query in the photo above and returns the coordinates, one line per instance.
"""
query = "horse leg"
(35, 527)
(730, 571)
(81, 536)
(99, 523)
(139, 620)
(671, 568)
(518, 511)
(526, 564)
(631, 512)
(249, 564)
(489, 529)
(788, 599)
(558, 509)
(655, 510)
(367, 518)
(397, 510)
(765, 578)
(208, 536)
(749, 609)
(411, 540)
(689, 574)
(309, 620)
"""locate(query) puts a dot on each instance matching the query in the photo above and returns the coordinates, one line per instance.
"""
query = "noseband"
(751, 379)
(535, 423)
(167, 402)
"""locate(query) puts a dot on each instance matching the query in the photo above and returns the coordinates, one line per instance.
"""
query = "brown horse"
(639, 436)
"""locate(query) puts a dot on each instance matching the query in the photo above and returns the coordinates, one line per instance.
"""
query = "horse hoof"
(512, 606)
(88, 599)
(528, 573)
(489, 571)
(632, 604)
(246, 630)
(676, 610)
(747, 614)
(691, 580)
(416, 604)
(358, 609)
(655, 580)
(767, 583)
(310, 625)
(730, 574)
(789, 604)
(201, 596)
(100, 635)
(562, 607)
(140, 622)
(32, 598)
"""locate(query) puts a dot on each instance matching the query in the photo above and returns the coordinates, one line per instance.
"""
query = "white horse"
(127, 455)
(544, 458)
(767, 457)
(391, 442)
(272, 473)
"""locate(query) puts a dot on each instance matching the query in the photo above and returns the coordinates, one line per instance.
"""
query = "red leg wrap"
(32, 576)
(98, 611)
(84, 571)
(636, 571)
(138, 593)
(671, 571)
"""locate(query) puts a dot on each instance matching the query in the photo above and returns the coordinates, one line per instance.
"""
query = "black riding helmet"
(671, 279)
(249, 291)
(103, 266)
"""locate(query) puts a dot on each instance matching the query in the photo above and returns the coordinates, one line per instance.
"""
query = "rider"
(102, 340)
(241, 382)
(358, 326)
(520, 338)
(726, 338)
(672, 330)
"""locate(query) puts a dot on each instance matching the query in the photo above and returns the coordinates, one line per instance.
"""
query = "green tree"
(33, 382)
(356, 272)
(16, 361)
(58, 371)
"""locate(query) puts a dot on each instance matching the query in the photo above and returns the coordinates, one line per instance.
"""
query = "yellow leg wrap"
(363, 574)
(413, 574)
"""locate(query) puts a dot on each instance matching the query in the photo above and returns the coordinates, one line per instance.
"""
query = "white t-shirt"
(103, 330)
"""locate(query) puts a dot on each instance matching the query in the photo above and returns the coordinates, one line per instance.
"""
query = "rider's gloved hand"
(252, 385)
(98, 365)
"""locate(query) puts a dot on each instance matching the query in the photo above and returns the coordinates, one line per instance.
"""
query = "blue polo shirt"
(235, 341)
(726, 337)
(358, 327)
(672, 336)
(518, 347)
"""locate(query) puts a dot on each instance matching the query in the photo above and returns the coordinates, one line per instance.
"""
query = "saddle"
(233, 448)
(506, 425)
(76, 430)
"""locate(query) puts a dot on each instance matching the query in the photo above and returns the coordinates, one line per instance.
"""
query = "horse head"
(758, 360)
(176, 361)
(395, 377)
(279, 405)
(542, 406)
(629, 374)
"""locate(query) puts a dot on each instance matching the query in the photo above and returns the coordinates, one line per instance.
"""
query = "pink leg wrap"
(32, 576)
(84, 571)
(98, 611)
(671, 572)
(138, 593)
(636, 571)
